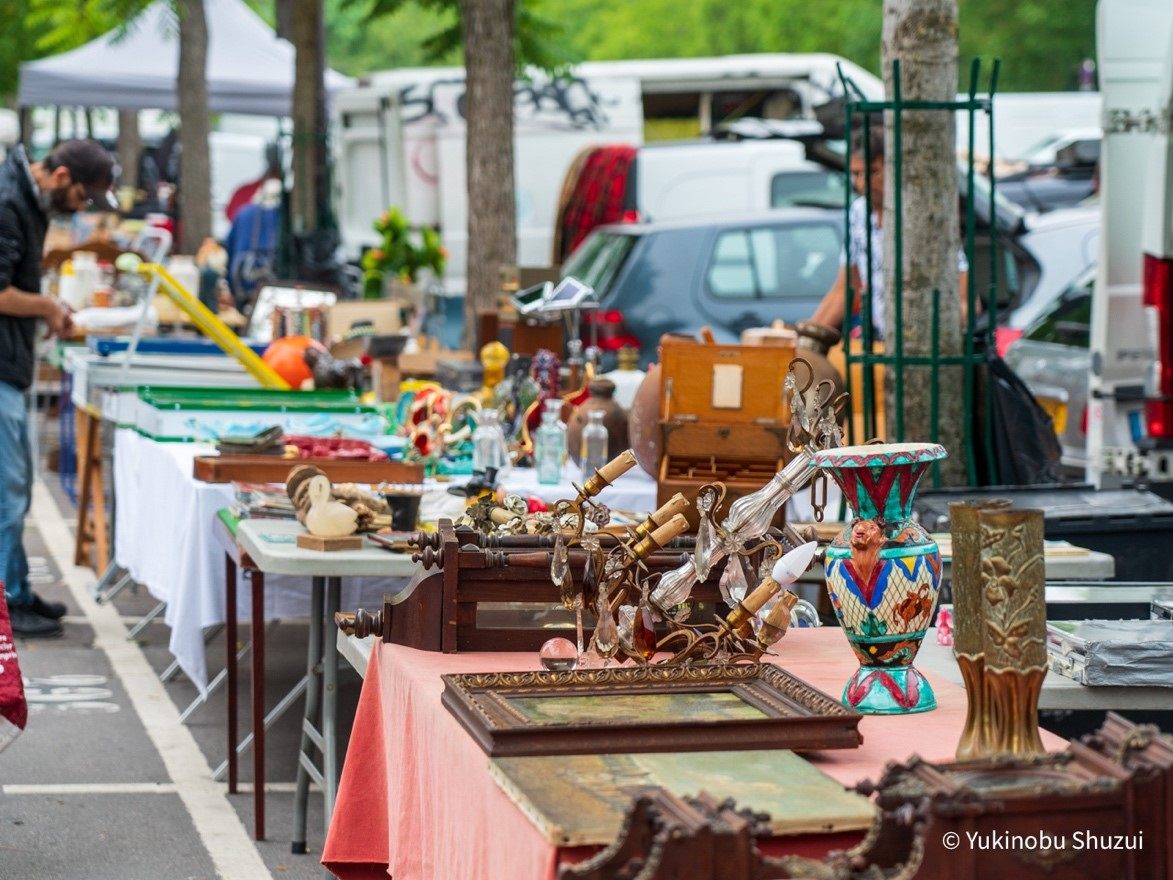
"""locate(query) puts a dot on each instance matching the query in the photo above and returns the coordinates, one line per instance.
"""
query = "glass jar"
(550, 444)
(488, 442)
(594, 443)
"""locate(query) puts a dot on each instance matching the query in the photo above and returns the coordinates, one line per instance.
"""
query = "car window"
(806, 189)
(598, 260)
(774, 262)
(1068, 322)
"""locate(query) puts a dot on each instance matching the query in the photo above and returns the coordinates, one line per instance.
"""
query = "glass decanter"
(594, 443)
(489, 449)
(550, 444)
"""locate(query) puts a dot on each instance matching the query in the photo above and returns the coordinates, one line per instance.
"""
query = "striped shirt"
(857, 254)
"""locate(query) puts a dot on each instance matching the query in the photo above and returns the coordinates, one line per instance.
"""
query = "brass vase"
(966, 577)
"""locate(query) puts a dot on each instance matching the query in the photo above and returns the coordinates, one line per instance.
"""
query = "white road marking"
(220, 829)
(131, 788)
(91, 788)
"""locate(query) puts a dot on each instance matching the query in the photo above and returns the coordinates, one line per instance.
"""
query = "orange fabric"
(416, 800)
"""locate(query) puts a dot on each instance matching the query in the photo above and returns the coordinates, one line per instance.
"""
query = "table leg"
(313, 699)
(85, 436)
(230, 666)
(258, 701)
(330, 698)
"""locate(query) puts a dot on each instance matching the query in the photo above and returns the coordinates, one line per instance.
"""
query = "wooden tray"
(647, 709)
(272, 469)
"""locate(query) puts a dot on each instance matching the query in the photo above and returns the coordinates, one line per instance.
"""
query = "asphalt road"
(101, 786)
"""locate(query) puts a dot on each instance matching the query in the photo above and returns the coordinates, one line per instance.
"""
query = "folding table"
(264, 547)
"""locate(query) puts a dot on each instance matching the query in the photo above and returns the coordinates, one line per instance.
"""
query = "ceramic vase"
(883, 573)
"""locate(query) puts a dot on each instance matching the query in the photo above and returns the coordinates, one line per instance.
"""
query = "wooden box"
(723, 384)
(723, 417)
(743, 457)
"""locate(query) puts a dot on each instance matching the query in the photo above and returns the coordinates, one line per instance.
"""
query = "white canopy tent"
(250, 68)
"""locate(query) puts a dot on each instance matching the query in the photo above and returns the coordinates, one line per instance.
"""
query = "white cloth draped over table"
(163, 537)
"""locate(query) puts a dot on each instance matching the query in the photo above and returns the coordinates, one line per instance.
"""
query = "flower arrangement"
(402, 252)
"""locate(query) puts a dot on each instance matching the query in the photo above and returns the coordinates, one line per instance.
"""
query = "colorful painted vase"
(883, 573)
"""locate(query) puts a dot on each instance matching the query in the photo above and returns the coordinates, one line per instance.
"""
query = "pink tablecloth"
(417, 801)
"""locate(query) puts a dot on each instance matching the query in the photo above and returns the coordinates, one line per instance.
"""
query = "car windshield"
(1068, 322)
(806, 189)
(598, 260)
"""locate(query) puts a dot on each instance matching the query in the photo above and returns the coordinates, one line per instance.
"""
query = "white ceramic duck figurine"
(326, 517)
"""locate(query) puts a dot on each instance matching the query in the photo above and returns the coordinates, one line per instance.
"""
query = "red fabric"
(598, 194)
(353, 856)
(244, 195)
(417, 801)
(14, 710)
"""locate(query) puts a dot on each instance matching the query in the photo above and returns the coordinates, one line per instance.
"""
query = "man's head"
(75, 175)
(871, 138)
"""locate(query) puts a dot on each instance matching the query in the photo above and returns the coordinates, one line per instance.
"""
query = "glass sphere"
(559, 655)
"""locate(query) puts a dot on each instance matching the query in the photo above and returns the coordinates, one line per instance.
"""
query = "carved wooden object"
(1099, 810)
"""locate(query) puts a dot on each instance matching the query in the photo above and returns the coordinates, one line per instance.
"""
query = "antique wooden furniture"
(1098, 810)
(1148, 752)
(465, 579)
(723, 416)
(647, 709)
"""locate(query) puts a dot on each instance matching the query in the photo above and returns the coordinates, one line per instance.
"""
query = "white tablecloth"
(163, 537)
(633, 492)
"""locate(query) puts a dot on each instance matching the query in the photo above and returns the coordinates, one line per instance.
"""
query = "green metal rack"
(974, 357)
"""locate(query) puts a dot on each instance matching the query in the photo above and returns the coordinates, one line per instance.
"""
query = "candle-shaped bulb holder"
(739, 620)
(607, 474)
(772, 625)
(676, 504)
(660, 536)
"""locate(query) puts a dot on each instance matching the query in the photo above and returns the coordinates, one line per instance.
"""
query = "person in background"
(73, 176)
(831, 311)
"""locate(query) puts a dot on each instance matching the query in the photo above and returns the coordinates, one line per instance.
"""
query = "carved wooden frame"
(798, 716)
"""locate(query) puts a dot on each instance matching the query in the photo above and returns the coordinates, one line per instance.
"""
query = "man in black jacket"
(73, 176)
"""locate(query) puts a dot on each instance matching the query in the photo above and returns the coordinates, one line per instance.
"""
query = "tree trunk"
(922, 34)
(488, 29)
(309, 117)
(130, 147)
(284, 10)
(195, 183)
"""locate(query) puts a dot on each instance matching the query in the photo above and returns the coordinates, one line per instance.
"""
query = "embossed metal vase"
(883, 573)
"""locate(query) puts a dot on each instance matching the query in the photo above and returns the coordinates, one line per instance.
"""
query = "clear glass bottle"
(488, 442)
(594, 443)
(550, 444)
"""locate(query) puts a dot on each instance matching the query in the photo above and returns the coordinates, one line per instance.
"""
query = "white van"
(1130, 409)
(399, 135)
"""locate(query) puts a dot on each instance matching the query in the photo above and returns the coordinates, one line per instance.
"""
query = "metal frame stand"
(319, 724)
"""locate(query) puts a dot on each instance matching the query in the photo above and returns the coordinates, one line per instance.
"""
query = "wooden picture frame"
(654, 708)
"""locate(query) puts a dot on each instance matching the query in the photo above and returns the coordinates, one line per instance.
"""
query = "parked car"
(1049, 254)
(677, 179)
(729, 272)
(1053, 358)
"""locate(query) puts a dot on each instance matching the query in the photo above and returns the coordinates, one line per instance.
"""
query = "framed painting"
(648, 709)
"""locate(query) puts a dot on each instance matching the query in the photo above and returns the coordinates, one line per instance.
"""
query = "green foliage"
(402, 252)
(538, 38)
(1041, 42)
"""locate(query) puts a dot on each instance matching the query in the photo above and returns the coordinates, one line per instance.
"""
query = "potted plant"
(403, 251)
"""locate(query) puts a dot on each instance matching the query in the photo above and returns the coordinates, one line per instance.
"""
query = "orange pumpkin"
(287, 358)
